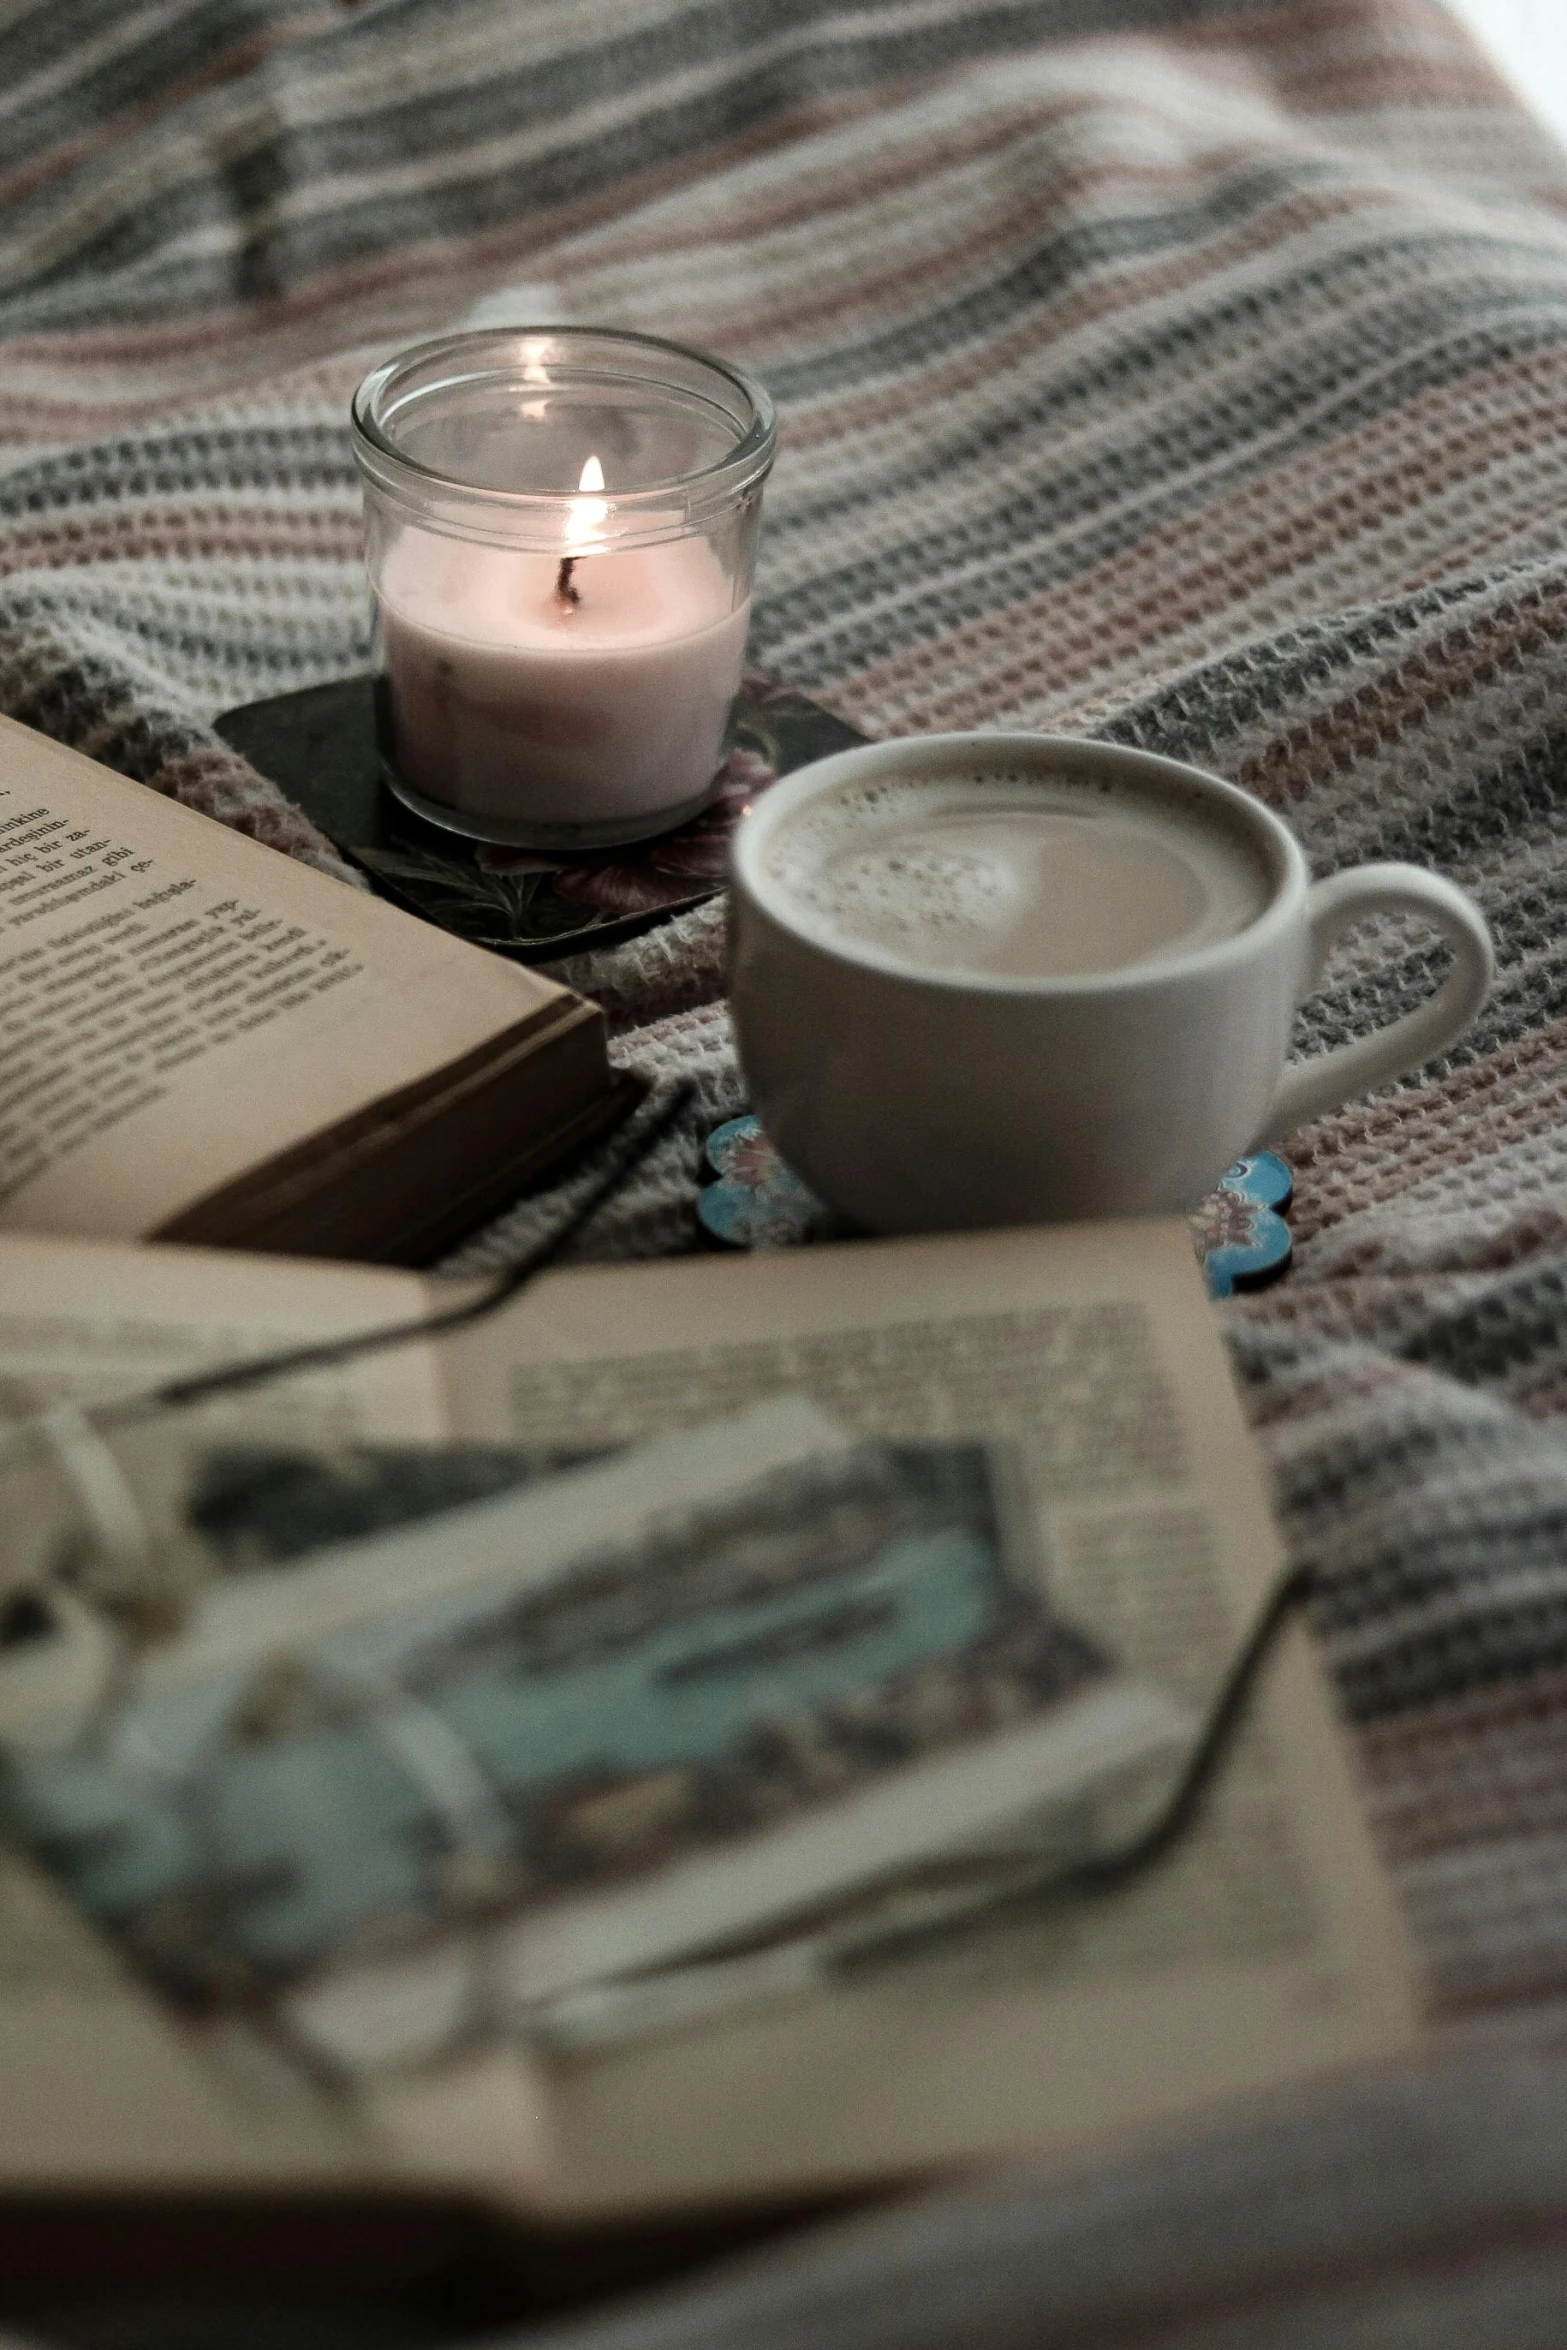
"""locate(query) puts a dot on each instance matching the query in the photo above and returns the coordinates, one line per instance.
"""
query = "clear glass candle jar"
(560, 532)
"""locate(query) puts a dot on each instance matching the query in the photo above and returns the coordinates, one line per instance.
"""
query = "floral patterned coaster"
(755, 1201)
(320, 746)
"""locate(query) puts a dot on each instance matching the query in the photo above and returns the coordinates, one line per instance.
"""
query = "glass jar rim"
(481, 510)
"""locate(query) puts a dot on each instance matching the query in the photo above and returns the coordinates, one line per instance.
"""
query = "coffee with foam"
(1015, 876)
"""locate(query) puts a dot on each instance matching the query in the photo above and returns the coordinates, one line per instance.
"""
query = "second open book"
(1263, 1951)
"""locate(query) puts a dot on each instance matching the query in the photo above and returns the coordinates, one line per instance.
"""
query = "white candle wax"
(509, 701)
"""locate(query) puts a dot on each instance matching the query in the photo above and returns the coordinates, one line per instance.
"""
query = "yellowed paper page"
(100, 2089)
(178, 1003)
(83, 1320)
(97, 2085)
(1264, 1950)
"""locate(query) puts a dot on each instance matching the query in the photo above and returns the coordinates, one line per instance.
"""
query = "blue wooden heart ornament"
(756, 1201)
(1242, 1238)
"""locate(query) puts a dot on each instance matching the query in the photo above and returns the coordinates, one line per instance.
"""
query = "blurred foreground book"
(992, 1551)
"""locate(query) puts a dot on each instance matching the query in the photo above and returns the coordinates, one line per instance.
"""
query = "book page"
(96, 2084)
(179, 1004)
(82, 1320)
(1265, 1949)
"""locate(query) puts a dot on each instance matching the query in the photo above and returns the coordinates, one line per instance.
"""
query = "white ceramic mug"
(919, 1099)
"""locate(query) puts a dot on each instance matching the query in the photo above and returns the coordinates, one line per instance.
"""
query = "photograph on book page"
(1092, 1356)
(592, 1725)
(1262, 1949)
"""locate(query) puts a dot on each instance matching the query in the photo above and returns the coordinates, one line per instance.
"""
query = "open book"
(1262, 1952)
(205, 1041)
(681, 1728)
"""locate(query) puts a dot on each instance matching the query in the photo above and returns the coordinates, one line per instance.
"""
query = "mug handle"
(1309, 1088)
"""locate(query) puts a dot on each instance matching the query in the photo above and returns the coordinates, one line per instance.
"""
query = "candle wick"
(563, 586)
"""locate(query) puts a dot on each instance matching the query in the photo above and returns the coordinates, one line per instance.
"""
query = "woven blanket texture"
(1191, 374)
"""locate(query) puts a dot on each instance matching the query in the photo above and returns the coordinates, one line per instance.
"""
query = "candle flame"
(587, 515)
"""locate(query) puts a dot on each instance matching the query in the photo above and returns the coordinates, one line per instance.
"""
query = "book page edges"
(373, 1187)
(239, 1119)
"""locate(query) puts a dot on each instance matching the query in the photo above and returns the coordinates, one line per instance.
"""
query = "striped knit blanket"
(1194, 374)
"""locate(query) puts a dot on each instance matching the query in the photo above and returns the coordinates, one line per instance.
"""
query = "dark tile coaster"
(319, 746)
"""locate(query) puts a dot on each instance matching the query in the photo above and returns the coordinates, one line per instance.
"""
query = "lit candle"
(574, 686)
(586, 689)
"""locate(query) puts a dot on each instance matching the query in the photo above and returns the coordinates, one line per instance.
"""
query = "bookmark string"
(233, 1378)
(1119, 1864)
(964, 1894)
(701, 1989)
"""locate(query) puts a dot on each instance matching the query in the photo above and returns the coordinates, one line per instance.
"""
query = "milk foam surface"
(1015, 875)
